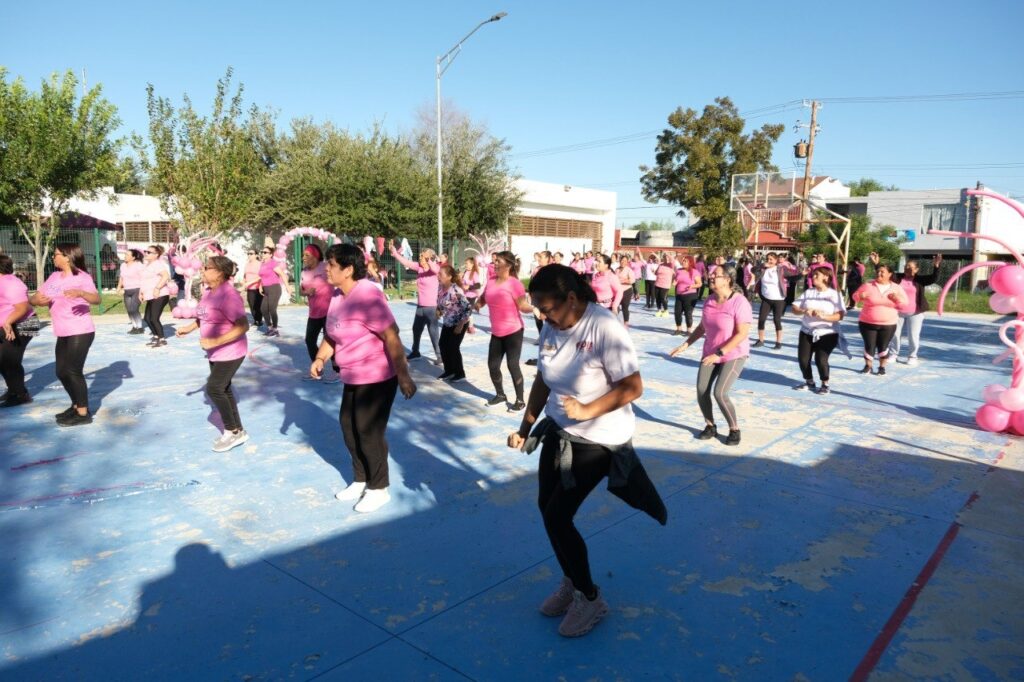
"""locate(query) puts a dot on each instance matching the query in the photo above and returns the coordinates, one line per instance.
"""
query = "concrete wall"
(564, 202)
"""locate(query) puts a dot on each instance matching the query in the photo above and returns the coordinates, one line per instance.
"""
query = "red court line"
(79, 493)
(42, 462)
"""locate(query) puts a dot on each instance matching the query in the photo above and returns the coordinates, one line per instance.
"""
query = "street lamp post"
(447, 58)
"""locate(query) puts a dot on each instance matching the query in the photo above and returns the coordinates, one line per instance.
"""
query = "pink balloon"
(1008, 280)
(279, 254)
(992, 418)
(992, 392)
(1003, 304)
(1012, 399)
(1017, 422)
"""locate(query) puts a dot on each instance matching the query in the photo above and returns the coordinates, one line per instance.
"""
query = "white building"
(553, 217)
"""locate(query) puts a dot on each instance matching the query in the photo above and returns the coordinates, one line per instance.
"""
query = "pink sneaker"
(558, 602)
(583, 615)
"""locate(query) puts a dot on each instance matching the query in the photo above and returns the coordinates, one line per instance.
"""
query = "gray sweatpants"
(913, 324)
(718, 379)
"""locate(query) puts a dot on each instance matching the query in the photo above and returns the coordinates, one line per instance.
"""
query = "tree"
(863, 240)
(477, 183)
(860, 188)
(206, 170)
(54, 146)
(695, 159)
(655, 226)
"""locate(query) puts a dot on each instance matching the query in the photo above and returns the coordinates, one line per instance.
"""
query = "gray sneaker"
(229, 440)
(558, 602)
(583, 615)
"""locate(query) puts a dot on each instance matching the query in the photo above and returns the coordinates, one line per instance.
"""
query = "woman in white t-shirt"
(772, 286)
(587, 378)
(822, 309)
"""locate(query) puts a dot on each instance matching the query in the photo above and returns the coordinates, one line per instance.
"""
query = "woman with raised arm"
(725, 323)
(222, 325)
(362, 337)
(911, 316)
(426, 298)
(506, 298)
(663, 276)
(772, 286)
(882, 299)
(68, 292)
(587, 380)
(154, 290)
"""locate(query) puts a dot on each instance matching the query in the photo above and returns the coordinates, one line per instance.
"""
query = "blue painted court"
(874, 532)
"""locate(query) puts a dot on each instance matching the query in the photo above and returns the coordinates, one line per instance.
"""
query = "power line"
(950, 97)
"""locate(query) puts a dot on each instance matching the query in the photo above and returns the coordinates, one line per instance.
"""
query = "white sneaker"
(229, 440)
(911, 362)
(353, 492)
(372, 500)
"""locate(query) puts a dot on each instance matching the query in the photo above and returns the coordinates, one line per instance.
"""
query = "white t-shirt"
(583, 362)
(828, 302)
(770, 285)
(650, 271)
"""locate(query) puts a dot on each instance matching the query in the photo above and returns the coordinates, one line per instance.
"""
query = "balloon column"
(1003, 410)
(188, 265)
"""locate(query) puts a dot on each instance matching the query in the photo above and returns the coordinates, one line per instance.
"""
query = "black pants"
(271, 297)
(131, 306)
(511, 347)
(451, 355)
(627, 298)
(11, 353)
(821, 349)
(365, 410)
(218, 387)
(426, 316)
(791, 285)
(314, 325)
(876, 339)
(154, 309)
(255, 299)
(71, 352)
(777, 308)
(684, 306)
(661, 298)
(649, 293)
(590, 464)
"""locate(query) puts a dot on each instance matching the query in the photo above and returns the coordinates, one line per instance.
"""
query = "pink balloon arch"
(189, 265)
(281, 251)
(1003, 410)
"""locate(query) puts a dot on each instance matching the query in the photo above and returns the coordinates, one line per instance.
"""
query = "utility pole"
(810, 151)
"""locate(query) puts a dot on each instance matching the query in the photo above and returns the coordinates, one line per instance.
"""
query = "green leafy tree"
(860, 188)
(864, 238)
(54, 145)
(655, 226)
(695, 159)
(207, 169)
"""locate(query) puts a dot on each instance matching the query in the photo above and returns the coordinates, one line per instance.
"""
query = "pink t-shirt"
(267, 275)
(686, 281)
(315, 281)
(720, 321)
(626, 276)
(663, 276)
(470, 282)
(71, 316)
(151, 272)
(426, 279)
(252, 272)
(608, 289)
(353, 323)
(638, 269)
(217, 311)
(12, 292)
(588, 264)
(502, 305)
(131, 275)
(878, 307)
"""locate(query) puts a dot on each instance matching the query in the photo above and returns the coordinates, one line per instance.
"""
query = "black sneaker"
(881, 371)
(516, 406)
(734, 437)
(532, 362)
(456, 377)
(75, 420)
(709, 432)
(757, 345)
(804, 386)
(823, 389)
(777, 346)
(65, 414)
(413, 356)
(446, 375)
(496, 400)
(866, 370)
(15, 400)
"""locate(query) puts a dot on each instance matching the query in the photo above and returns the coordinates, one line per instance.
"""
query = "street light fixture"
(447, 58)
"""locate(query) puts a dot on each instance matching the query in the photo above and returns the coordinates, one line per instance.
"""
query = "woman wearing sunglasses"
(155, 292)
(251, 283)
(272, 284)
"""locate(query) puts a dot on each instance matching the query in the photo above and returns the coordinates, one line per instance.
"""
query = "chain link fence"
(99, 247)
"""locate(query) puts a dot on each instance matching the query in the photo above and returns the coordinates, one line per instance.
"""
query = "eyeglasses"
(266, 251)
(148, 251)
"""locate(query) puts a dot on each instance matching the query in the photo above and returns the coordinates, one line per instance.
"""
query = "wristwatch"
(719, 353)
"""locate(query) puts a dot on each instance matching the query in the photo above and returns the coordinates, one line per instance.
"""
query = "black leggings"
(684, 305)
(777, 308)
(511, 347)
(255, 299)
(451, 355)
(716, 380)
(154, 309)
(426, 316)
(821, 349)
(627, 298)
(314, 325)
(71, 352)
(271, 297)
(11, 353)
(590, 464)
(131, 306)
(661, 298)
(365, 410)
(649, 292)
(218, 388)
(876, 340)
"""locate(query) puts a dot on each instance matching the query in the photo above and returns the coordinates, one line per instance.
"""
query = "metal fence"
(99, 247)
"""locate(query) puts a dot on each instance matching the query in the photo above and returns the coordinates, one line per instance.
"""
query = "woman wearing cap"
(222, 325)
(725, 323)
(506, 298)
(251, 283)
(129, 284)
(272, 286)
(317, 291)
(154, 290)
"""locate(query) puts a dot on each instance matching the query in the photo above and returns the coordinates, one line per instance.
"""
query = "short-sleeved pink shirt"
(720, 321)
(217, 311)
(685, 281)
(354, 323)
(151, 272)
(131, 275)
(315, 280)
(663, 276)
(503, 307)
(12, 292)
(71, 316)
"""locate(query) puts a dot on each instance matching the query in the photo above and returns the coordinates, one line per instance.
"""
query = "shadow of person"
(106, 380)
(647, 416)
(321, 430)
(38, 378)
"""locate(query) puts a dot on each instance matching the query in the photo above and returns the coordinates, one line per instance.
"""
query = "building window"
(136, 232)
(161, 233)
(535, 226)
(942, 217)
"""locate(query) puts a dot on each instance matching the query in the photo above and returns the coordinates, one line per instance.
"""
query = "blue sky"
(560, 73)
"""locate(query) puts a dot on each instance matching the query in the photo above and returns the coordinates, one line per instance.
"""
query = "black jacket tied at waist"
(627, 478)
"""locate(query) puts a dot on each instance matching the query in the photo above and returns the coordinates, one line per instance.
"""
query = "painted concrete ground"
(874, 531)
